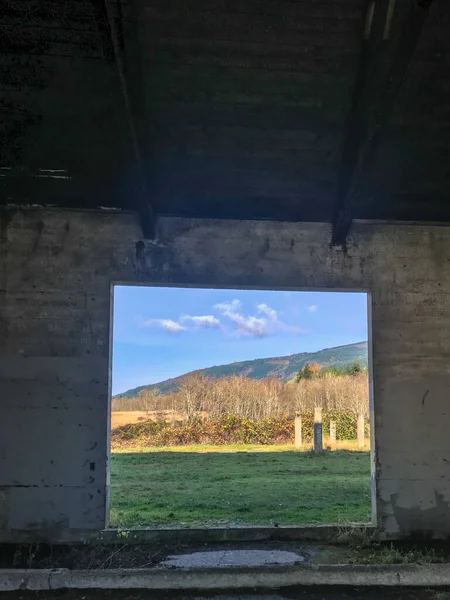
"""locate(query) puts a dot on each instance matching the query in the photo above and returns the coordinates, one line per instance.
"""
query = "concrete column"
(333, 433)
(318, 444)
(298, 430)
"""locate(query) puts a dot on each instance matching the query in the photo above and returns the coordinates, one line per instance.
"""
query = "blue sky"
(164, 332)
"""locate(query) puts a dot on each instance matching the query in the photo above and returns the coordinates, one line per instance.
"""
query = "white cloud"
(229, 307)
(265, 322)
(312, 308)
(249, 325)
(166, 324)
(185, 323)
(202, 321)
(245, 325)
(265, 309)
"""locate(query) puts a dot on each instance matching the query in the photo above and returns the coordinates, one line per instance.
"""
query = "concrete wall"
(55, 274)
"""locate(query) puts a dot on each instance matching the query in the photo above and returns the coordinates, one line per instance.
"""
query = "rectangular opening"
(235, 408)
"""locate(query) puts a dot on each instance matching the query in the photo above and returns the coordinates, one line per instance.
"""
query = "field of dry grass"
(125, 417)
(119, 418)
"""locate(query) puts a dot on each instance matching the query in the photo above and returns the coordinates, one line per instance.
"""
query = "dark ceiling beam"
(111, 34)
(371, 107)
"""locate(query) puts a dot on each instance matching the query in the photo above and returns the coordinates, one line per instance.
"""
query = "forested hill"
(281, 367)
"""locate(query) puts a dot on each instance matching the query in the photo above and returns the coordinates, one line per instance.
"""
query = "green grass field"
(188, 489)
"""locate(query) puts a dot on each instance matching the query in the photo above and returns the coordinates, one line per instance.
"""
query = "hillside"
(281, 367)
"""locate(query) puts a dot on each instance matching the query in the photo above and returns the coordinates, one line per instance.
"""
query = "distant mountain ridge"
(281, 367)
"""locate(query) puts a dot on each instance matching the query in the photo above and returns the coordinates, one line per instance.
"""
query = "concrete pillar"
(333, 433)
(298, 430)
(318, 444)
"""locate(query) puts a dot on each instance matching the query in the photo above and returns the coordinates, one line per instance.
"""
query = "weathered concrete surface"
(298, 593)
(231, 578)
(248, 534)
(56, 269)
(232, 558)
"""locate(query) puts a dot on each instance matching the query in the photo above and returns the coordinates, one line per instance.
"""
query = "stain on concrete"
(39, 228)
(264, 248)
(415, 520)
(4, 507)
(158, 260)
(139, 257)
(6, 217)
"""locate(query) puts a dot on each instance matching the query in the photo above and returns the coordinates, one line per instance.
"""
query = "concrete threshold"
(256, 533)
(229, 578)
(194, 535)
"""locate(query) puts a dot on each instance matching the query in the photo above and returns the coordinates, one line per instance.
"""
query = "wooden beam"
(112, 43)
(369, 117)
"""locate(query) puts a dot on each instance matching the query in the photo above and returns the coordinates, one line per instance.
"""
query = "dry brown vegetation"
(126, 417)
(199, 397)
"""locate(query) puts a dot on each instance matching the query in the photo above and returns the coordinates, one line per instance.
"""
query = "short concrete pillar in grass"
(333, 433)
(318, 437)
(298, 430)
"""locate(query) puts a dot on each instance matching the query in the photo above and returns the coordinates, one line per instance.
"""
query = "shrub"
(229, 429)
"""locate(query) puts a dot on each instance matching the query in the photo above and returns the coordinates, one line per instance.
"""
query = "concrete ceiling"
(296, 110)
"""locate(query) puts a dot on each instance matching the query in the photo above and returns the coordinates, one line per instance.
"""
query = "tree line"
(315, 370)
(333, 390)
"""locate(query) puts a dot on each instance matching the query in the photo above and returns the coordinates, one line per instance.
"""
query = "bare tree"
(149, 400)
(193, 390)
(358, 403)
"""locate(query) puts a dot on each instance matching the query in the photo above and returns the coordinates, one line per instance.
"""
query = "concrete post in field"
(318, 445)
(298, 430)
(360, 430)
(333, 433)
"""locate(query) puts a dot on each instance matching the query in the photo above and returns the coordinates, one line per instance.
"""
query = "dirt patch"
(131, 555)
(146, 555)
(83, 556)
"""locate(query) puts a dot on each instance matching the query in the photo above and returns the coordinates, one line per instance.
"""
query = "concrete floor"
(312, 593)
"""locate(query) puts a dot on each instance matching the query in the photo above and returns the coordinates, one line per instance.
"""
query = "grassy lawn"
(194, 488)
